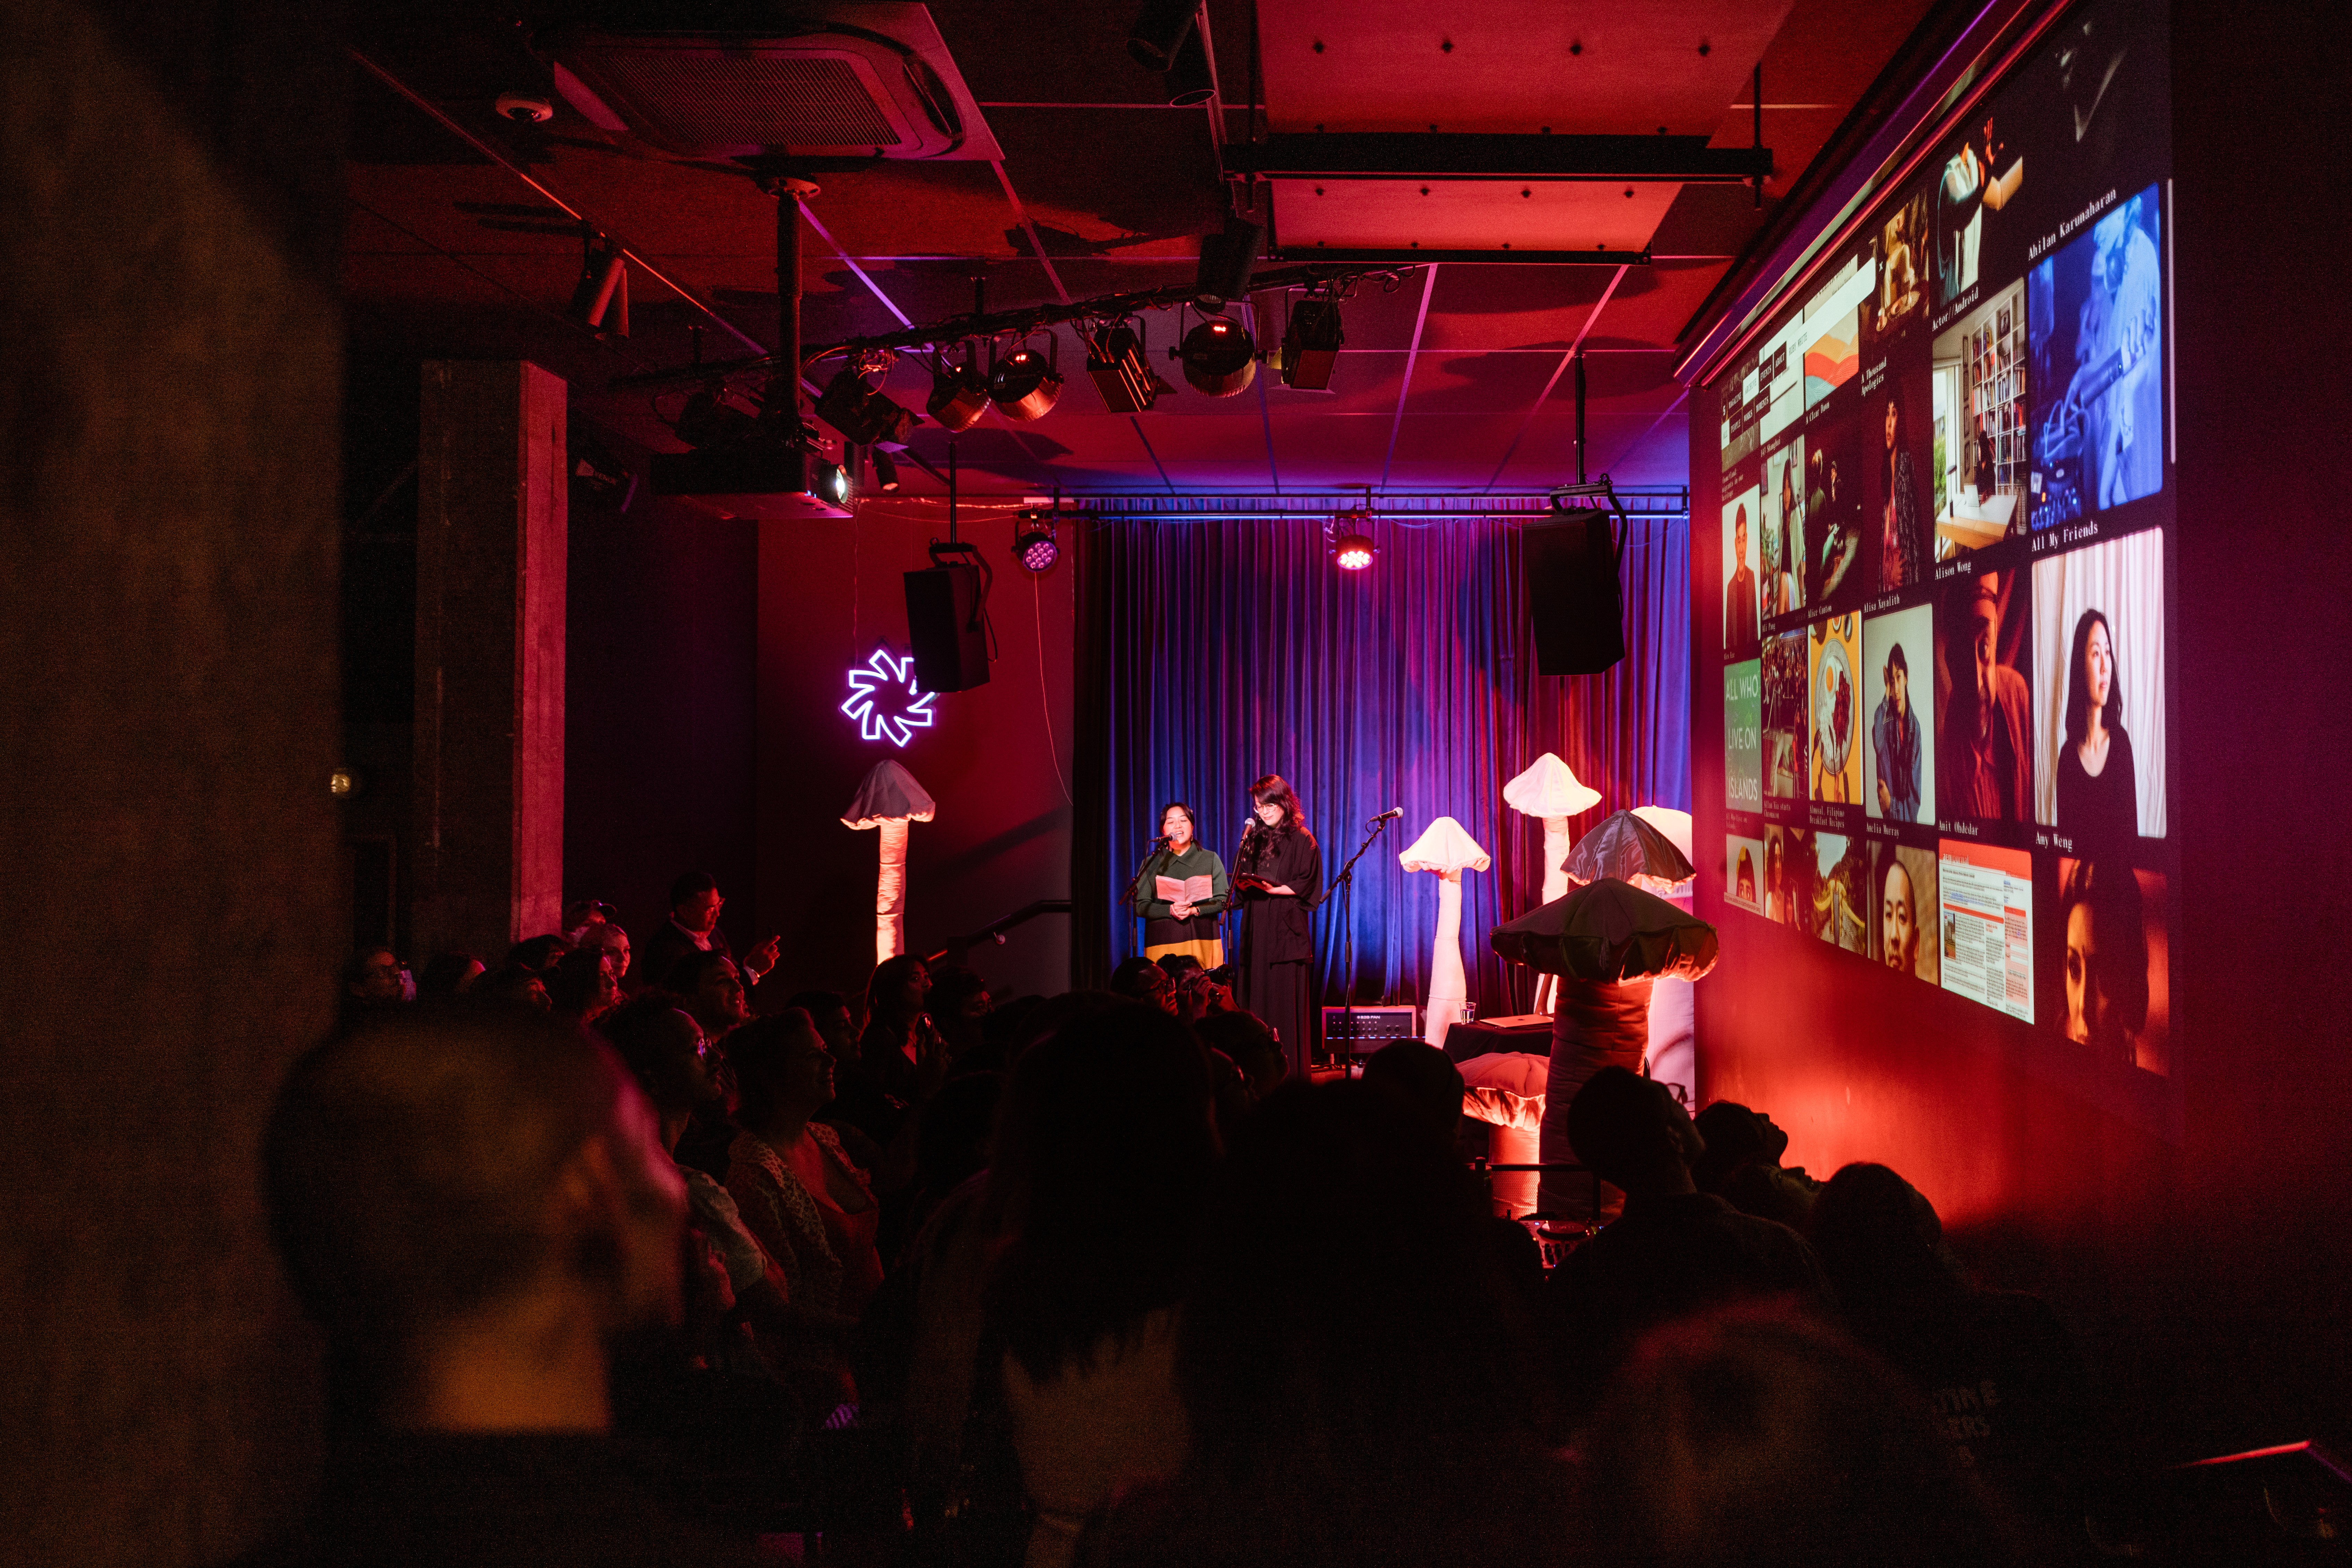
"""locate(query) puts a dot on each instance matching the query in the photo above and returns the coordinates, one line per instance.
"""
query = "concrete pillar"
(490, 532)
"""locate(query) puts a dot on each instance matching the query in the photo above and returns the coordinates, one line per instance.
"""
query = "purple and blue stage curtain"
(1212, 652)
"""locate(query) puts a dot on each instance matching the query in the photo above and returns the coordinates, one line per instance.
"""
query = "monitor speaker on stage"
(1571, 573)
(947, 624)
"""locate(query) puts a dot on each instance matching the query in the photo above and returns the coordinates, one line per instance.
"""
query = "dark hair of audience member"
(1879, 1239)
(1424, 1081)
(690, 883)
(511, 985)
(953, 987)
(1245, 1040)
(1139, 980)
(817, 1004)
(1735, 1135)
(645, 1033)
(539, 952)
(1103, 1152)
(449, 975)
(760, 1054)
(885, 992)
(1620, 1130)
(1049, 1017)
(409, 1167)
(578, 984)
(1761, 1437)
(686, 975)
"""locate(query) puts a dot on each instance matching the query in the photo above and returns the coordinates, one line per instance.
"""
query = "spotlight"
(1025, 383)
(1352, 549)
(1115, 360)
(1035, 546)
(1227, 258)
(1310, 344)
(1218, 357)
(1159, 31)
(600, 301)
(863, 415)
(1187, 77)
(886, 471)
(958, 397)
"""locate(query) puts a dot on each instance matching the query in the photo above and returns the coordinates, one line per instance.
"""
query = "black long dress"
(2100, 812)
(1277, 947)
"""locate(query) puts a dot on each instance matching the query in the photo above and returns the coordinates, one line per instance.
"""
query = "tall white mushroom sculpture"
(1443, 848)
(889, 799)
(1551, 791)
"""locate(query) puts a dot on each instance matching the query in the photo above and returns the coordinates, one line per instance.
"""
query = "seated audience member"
(2005, 1379)
(1353, 1372)
(829, 1011)
(1105, 1154)
(1675, 1249)
(707, 985)
(1742, 1165)
(1244, 1039)
(583, 985)
(473, 1206)
(1762, 1438)
(693, 926)
(596, 928)
(898, 1035)
(810, 1206)
(449, 975)
(1141, 980)
(375, 981)
(953, 1135)
(959, 1005)
(1424, 1082)
(665, 1051)
(1198, 994)
(511, 985)
(538, 953)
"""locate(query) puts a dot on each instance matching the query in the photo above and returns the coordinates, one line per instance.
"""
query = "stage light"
(1187, 77)
(1035, 546)
(1024, 384)
(1218, 357)
(1310, 344)
(1226, 256)
(886, 471)
(1115, 360)
(863, 415)
(1160, 30)
(958, 397)
(1349, 539)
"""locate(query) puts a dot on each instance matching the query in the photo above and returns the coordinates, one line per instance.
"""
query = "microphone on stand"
(1391, 814)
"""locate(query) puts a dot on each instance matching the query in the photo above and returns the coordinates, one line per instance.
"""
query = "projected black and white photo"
(2094, 316)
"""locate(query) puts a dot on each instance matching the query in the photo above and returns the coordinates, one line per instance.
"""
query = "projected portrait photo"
(1976, 386)
(1981, 176)
(1984, 700)
(1743, 746)
(1842, 891)
(1902, 912)
(1784, 530)
(1898, 765)
(2095, 313)
(1744, 873)
(1791, 876)
(1742, 528)
(2098, 717)
(1835, 578)
(1782, 697)
(1895, 429)
(1903, 253)
(2111, 921)
(1833, 770)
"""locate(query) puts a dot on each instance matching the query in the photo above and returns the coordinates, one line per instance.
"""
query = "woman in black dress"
(2098, 787)
(1279, 874)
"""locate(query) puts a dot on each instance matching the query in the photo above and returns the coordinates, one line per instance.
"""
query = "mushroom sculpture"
(889, 799)
(1549, 790)
(1443, 848)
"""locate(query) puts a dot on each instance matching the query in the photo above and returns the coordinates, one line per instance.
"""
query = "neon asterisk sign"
(884, 700)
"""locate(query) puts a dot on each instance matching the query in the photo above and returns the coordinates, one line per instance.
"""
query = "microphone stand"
(1158, 847)
(1344, 884)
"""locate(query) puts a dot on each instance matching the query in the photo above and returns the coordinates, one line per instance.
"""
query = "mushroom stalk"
(1449, 986)
(890, 890)
(1554, 886)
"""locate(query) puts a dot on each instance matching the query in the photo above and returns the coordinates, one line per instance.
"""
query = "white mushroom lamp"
(1443, 848)
(889, 799)
(1549, 790)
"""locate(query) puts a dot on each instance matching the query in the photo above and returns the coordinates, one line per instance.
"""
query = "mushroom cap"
(1674, 824)
(1547, 788)
(889, 794)
(1443, 847)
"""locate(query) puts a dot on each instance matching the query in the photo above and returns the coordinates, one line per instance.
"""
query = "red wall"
(829, 592)
(2199, 1245)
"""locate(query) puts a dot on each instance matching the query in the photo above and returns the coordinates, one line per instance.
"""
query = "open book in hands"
(1183, 889)
(1252, 882)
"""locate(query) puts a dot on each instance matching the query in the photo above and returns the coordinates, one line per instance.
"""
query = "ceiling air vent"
(848, 81)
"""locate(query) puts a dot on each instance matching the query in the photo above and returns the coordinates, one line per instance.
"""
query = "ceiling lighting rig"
(1349, 537)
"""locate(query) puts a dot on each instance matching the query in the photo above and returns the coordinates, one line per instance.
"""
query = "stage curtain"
(1212, 652)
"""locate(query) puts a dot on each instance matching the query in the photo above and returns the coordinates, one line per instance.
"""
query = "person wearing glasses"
(693, 926)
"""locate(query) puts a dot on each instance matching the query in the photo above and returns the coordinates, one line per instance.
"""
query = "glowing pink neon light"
(884, 700)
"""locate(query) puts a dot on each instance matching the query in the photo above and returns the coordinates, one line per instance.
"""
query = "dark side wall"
(996, 760)
(171, 910)
(2196, 1244)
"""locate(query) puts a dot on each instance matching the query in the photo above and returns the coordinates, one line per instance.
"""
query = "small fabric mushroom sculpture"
(889, 799)
(1550, 790)
(1443, 848)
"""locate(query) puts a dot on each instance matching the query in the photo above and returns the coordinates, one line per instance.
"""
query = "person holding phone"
(693, 926)
(1185, 924)
(1280, 875)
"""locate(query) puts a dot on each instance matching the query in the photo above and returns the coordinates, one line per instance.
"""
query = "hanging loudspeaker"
(1570, 573)
(945, 627)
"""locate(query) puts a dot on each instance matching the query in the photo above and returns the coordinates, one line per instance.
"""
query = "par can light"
(1218, 357)
(1025, 385)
